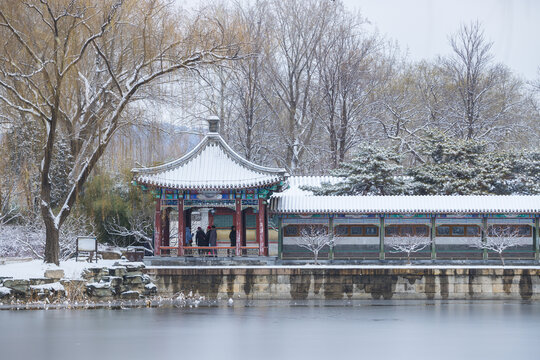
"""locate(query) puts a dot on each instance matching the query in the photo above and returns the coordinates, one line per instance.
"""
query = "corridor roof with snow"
(298, 200)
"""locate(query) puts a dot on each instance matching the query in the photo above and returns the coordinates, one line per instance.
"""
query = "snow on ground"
(36, 268)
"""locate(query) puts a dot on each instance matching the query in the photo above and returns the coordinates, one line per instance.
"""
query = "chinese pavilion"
(214, 176)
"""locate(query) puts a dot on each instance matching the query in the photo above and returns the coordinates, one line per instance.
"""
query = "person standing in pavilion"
(232, 238)
(213, 239)
(207, 237)
(200, 239)
(189, 237)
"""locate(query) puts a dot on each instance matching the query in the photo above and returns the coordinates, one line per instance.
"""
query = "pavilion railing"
(209, 251)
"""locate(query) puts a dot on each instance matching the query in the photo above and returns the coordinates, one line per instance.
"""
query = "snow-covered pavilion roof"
(295, 200)
(211, 165)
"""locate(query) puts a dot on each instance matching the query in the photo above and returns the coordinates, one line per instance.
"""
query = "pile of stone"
(50, 287)
(122, 281)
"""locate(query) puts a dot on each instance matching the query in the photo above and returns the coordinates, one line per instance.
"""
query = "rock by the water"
(54, 274)
(133, 279)
(20, 286)
(41, 281)
(130, 295)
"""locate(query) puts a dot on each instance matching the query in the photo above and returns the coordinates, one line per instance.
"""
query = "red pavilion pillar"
(181, 226)
(238, 224)
(157, 228)
(261, 218)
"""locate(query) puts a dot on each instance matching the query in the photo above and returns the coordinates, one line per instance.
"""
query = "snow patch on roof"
(297, 182)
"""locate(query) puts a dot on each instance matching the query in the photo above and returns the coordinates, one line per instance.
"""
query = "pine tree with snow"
(372, 171)
(460, 167)
(526, 171)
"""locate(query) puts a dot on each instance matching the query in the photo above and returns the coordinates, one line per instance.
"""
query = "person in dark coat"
(200, 238)
(213, 239)
(207, 236)
(232, 237)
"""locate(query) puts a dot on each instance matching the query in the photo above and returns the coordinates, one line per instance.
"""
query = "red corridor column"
(261, 217)
(238, 225)
(181, 226)
(157, 228)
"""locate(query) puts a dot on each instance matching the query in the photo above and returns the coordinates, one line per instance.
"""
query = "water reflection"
(382, 330)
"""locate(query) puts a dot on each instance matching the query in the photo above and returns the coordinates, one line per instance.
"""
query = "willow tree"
(76, 68)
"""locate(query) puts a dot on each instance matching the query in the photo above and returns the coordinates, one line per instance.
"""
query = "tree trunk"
(502, 259)
(52, 242)
(315, 257)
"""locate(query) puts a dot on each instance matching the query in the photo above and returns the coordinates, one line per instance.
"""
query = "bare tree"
(138, 233)
(347, 76)
(482, 97)
(314, 239)
(253, 120)
(8, 211)
(407, 105)
(77, 70)
(500, 239)
(26, 238)
(298, 29)
(408, 244)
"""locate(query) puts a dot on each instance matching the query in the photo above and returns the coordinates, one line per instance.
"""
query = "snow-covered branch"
(315, 239)
(407, 244)
(500, 239)
(139, 231)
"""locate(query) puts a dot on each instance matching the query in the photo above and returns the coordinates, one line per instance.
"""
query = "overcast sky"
(422, 26)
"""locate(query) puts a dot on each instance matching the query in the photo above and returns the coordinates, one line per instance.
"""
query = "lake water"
(359, 330)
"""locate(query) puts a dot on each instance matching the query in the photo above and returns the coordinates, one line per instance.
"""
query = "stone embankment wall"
(283, 283)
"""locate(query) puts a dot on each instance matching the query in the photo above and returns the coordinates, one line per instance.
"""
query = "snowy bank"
(36, 268)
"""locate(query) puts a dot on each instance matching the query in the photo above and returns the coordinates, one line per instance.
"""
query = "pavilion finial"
(213, 124)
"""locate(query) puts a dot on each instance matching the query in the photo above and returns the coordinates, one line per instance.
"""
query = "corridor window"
(443, 230)
(473, 231)
(458, 230)
(341, 231)
(421, 231)
(356, 230)
(371, 231)
(291, 230)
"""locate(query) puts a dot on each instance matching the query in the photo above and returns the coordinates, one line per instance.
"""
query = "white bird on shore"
(230, 302)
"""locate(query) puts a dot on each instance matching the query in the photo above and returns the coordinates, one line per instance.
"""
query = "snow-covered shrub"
(314, 239)
(27, 238)
(500, 239)
(407, 244)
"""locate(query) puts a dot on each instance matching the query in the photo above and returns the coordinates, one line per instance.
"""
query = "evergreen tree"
(526, 173)
(111, 199)
(460, 167)
(372, 171)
